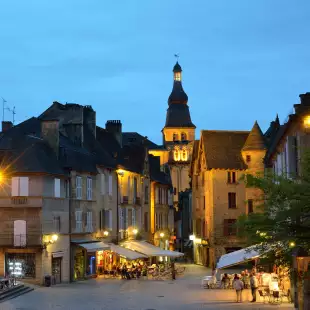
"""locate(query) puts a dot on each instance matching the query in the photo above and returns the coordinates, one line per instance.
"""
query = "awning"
(149, 249)
(238, 257)
(94, 246)
(129, 254)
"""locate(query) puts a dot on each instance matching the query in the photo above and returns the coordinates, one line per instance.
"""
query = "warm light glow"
(54, 238)
(1, 177)
(198, 240)
(176, 155)
(105, 233)
(135, 231)
(307, 121)
(120, 172)
(177, 76)
(192, 237)
(184, 155)
(292, 244)
(161, 235)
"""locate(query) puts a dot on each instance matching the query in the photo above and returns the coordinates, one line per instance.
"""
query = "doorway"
(56, 269)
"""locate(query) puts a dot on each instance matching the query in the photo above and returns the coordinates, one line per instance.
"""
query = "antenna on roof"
(12, 111)
(3, 107)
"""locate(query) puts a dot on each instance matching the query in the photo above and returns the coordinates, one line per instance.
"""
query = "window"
(176, 155)
(78, 187)
(183, 136)
(89, 194)
(20, 186)
(146, 221)
(106, 219)
(129, 215)
(78, 221)
(250, 206)
(202, 178)
(231, 177)
(177, 76)
(101, 219)
(175, 137)
(204, 202)
(102, 189)
(20, 233)
(56, 224)
(146, 194)
(110, 185)
(135, 189)
(232, 201)
(174, 191)
(57, 188)
(133, 217)
(184, 155)
(248, 158)
(230, 228)
(89, 221)
(198, 227)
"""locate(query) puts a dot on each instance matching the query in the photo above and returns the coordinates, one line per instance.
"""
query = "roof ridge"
(221, 130)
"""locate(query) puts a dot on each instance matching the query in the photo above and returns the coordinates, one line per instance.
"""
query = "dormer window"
(183, 136)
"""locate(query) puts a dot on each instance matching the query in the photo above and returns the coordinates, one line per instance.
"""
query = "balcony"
(20, 241)
(28, 202)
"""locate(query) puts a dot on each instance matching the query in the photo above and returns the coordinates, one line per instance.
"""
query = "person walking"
(254, 286)
(238, 286)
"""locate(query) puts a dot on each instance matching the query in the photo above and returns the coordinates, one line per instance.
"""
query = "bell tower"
(178, 134)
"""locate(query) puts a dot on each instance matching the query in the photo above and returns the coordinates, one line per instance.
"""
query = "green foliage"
(282, 220)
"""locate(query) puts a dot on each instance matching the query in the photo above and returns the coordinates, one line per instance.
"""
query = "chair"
(263, 295)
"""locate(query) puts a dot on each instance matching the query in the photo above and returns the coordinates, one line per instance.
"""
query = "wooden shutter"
(103, 191)
(57, 188)
(228, 177)
(23, 186)
(89, 188)
(15, 186)
(110, 185)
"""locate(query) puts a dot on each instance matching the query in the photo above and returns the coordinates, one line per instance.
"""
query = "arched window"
(176, 155)
(183, 136)
(175, 137)
(20, 232)
(184, 155)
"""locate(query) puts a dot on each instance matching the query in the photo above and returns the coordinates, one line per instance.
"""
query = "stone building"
(219, 196)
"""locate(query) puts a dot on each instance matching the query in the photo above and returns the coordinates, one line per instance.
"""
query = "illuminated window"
(307, 122)
(176, 155)
(184, 155)
(177, 76)
(183, 136)
(175, 137)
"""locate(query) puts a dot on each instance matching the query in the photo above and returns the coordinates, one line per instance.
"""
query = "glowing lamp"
(54, 238)
(307, 121)
(292, 244)
(135, 231)
(105, 233)
(161, 235)
(120, 172)
(192, 237)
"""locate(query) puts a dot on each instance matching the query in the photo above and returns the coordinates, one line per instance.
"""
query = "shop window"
(232, 204)
(20, 265)
(20, 233)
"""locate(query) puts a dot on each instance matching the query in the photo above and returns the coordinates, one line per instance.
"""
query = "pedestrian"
(238, 286)
(254, 285)
(173, 272)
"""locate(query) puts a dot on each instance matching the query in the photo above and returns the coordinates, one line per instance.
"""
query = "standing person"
(254, 285)
(238, 286)
(173, 271)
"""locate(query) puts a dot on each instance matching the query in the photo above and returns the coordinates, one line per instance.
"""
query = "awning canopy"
(94, 246)
(149, 249)
(238, 257)
(129, 254)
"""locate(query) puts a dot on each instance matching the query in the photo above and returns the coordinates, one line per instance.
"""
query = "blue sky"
(243, 60)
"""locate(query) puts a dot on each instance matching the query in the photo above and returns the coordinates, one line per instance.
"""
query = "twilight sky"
(242, 60)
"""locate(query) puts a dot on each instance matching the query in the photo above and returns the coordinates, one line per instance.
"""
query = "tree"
(282, 222)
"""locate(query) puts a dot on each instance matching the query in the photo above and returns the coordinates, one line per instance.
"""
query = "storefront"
(56, 269)
(201, 252)
(22, 265)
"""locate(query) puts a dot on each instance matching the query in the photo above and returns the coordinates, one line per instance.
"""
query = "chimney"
(115, 127)
(50, 133)
(6, 125)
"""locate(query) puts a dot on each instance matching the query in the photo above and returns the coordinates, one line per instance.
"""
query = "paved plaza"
(184, 293)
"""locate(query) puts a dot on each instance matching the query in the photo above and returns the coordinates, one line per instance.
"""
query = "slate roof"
(156, 174)
(136, 138)
(178, 116)
(178, 95)
(272, 131)
(223, 148)
(177, 67)
(255, 140)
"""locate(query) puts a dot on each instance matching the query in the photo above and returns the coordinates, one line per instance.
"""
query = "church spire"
(178, 94)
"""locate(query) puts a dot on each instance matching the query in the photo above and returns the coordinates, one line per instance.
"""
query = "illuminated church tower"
(178, 134)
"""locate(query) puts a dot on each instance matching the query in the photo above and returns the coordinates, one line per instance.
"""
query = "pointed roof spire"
(255, 140)
(277, 121)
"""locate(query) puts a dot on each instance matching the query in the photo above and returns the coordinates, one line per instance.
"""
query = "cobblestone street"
(184, 293)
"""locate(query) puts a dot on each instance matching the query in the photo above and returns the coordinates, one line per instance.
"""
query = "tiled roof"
(223, 148)
(255, 140)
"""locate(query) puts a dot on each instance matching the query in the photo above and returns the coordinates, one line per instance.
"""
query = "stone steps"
(14, 292)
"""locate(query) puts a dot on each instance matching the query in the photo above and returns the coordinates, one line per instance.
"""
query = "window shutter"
(15, 186)
(120, 218)
(228, 177)
(84, 215)
(110, 219)
(89, 188)
(133, 217)
(78, 187)
(57, 188)
(234, 177)
(23, 186)
(110, 185)
(103, 184)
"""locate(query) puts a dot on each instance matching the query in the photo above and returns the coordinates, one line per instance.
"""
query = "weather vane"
(176, 56)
